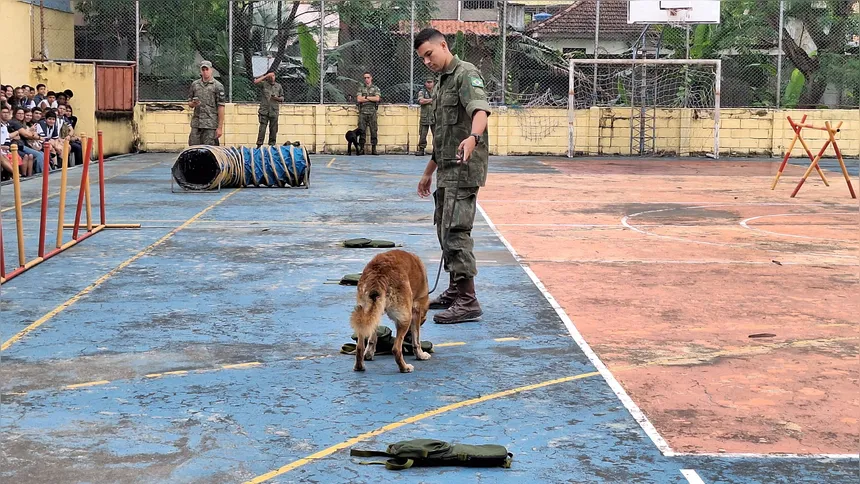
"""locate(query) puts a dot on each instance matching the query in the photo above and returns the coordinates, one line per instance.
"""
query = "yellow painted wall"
(544, 131)
(118, 137)
(80, 78)
(22, 38)
(17, 47)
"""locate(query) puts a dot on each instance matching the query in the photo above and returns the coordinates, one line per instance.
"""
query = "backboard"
(673, 12)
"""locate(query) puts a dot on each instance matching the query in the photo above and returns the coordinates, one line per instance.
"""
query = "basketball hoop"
(673, 12)
(677, 17)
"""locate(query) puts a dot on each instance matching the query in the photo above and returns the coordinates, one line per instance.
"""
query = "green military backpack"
(429, 452)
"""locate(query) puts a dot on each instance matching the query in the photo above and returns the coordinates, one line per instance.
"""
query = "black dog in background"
(352, 138)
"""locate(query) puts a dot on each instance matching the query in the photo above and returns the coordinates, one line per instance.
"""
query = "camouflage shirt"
(368, 107)
(211, 95)
(459, 94)
(427, 117)
(268, 106)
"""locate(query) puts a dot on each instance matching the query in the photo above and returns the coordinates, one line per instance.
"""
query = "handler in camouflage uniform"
(271, 94)
(425, 99)
(368, 102)
(461, 112)
(207, 99)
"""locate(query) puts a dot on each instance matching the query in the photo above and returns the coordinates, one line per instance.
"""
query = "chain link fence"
(320, 49)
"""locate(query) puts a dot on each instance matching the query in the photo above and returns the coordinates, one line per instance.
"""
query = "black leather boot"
(465, 307)
(446, 299)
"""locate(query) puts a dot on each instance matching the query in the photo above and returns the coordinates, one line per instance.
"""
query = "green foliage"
(793, 89)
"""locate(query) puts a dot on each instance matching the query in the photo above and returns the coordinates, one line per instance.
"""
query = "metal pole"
(571, 111)
(230, 51)
(719, 75)
(687, 28)
(411, 61)
(137, 50)
(42, 29)
(596, 47)
(504, 52)
(322, 51)
(779, 54)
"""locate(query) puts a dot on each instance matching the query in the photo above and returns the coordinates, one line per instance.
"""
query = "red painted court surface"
(668, 267)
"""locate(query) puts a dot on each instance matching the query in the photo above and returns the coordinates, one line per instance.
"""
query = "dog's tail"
(370, 304)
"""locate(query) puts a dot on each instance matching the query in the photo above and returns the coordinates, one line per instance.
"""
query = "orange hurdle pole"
(43, 223)
(85, 178)
(797, 136)
(841, 161)
(19, 215)
(814, 163)
(2, 255)
(63, 180)
(102, 179)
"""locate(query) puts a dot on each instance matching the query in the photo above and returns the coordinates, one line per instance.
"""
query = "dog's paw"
(423, 355)
(407, 369)
(358, 368)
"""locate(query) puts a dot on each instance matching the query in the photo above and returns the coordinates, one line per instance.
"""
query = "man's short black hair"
(37, 109)
(52, 93)
(51, 114)
(427, 35)
(40, 86)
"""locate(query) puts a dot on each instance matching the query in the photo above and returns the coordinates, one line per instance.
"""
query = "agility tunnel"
(210, 167)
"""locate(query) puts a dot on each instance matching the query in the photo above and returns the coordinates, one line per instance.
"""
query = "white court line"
(625, 222)
(616, 387)
(690, 262)
(692, 476)
(743, 223)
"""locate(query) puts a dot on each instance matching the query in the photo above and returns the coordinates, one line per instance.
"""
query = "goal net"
(663, 105)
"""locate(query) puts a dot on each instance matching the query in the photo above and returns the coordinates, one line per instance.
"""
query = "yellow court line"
(502, 340)
(454, 343)
(87, 384)
(101, 280)
(71, 187)
(330, 163)
(432, 413)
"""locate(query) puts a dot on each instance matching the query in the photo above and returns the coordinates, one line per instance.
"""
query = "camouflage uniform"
(367, 115)
(204, 121)
(427, 120)
(459, 94)
(268, 112)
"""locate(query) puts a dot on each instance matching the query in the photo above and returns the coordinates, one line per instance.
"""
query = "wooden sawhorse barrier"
(796, 127)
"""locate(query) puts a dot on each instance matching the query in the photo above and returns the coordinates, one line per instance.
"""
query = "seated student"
(25, 161)
(66, 130)
(41, 93)
(26, 134)
(73, 120)
(50, 101)
(50, 133)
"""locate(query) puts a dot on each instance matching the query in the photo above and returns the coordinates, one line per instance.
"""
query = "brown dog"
(394, 283)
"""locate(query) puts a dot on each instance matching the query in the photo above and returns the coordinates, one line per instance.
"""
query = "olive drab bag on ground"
(365, 243)
(429, 452)
(385, 342)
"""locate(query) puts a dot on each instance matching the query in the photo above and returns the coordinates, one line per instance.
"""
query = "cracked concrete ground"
(215, 356)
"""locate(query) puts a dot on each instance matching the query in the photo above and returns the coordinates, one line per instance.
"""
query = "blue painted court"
(205, 347)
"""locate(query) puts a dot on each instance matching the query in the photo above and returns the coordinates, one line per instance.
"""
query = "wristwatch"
(477, 137)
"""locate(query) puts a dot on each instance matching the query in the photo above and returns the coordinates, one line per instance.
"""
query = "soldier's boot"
(373, 152)
(465, 307)
(420, 152)
(446, 299)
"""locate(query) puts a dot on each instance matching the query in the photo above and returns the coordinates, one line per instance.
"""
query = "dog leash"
(448, 229)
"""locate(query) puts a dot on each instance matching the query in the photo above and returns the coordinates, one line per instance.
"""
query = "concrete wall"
(598, 131)
(118, 136)
(22, 39)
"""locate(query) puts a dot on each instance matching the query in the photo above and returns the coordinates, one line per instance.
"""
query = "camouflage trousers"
(272, 122)
(457, 242)
(422, 135)
(202, 136)
(367, 122)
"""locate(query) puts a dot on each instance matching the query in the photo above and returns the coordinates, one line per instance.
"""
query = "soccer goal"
(646, 106)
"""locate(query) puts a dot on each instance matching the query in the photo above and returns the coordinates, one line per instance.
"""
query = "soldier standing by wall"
(272, 93)
(425, 99)
(461, 154)
(207, 99)
(368, 102)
